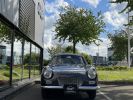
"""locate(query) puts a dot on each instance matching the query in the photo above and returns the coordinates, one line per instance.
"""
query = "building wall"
(10, 9)
(27, 18)
(110, 54)
(39, 21)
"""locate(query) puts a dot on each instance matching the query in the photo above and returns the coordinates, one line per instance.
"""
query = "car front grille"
(69, 81)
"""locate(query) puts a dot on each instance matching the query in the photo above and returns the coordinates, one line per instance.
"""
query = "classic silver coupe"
(69, 73)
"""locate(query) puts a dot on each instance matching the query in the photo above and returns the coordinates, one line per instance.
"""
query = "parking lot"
(107, 92)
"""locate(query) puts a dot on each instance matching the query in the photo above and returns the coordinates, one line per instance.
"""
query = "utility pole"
(129, 47)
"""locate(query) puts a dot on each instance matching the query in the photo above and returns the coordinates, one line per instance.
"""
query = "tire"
(92, 94)
(43, 93)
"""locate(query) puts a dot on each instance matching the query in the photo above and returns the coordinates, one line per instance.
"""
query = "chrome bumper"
(79, 88)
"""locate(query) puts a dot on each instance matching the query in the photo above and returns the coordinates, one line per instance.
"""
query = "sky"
(113, 19)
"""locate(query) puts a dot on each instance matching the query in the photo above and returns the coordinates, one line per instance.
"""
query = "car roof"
(67, 54)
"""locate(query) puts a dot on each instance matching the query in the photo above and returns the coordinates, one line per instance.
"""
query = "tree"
(79, 25)
(128, 8)
(5, 33)
(119, 44)
(54, 50)
(45, 62)
(87, 58)
(69, 49)
(34, 60)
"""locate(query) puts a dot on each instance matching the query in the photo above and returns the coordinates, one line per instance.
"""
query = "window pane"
(35, 55)
(26, 60)
(17, 64)
(37, 63)
(5, 54)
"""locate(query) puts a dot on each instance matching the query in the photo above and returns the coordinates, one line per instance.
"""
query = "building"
(110, 54)
(2, 54)
(112, 61)
(21, 40)
(99, 60)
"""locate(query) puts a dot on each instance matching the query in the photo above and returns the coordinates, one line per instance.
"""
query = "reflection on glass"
(26, 60)
(23, 59)
(17, 64)
(35, 55)
(37, 61)
(5, 54)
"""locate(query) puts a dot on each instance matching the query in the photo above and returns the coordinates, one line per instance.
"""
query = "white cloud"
(51, 8)
(94, 3)
(114, 17)
(54, 6)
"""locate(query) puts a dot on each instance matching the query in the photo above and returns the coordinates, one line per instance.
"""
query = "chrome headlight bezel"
(92, 73)
(48, 73)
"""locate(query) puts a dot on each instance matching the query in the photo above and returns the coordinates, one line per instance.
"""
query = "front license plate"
(70, 88)
(92, 82)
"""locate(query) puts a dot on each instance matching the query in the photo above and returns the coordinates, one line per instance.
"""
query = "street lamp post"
(129, 44)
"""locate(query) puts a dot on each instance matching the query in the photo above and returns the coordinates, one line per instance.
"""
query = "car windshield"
(67, 60)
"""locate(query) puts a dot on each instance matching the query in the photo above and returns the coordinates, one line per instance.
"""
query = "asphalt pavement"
(107, 92)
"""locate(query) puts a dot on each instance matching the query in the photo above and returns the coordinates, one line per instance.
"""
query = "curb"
(14, 90)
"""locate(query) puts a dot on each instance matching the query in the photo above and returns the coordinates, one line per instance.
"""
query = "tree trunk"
(74, 47)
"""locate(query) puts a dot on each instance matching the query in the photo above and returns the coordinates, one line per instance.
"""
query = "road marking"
(108, 98)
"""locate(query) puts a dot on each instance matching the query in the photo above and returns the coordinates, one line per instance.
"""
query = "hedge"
(112, 68)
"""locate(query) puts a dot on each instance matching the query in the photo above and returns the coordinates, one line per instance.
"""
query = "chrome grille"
(69, 81)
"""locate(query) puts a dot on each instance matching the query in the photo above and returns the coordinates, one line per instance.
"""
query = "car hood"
(69, 69)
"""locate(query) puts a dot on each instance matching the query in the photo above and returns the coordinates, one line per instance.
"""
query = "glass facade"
(5, 54)
(35, 60)
(20, 56)
(26, 59)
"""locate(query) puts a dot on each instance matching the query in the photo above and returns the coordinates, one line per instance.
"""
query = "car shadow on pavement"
(79, 96)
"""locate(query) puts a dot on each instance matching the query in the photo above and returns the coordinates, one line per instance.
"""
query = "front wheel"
(92, 94)
(43, 93)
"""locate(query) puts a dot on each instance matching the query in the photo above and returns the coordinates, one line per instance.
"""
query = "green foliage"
(34, 60)
(7, 74)
(5, 33)
(45, 62)
(79, 26)
(54, 50)
(4, 67)
(112, 68)
(119, 44)
(87, 58)
(69, 49)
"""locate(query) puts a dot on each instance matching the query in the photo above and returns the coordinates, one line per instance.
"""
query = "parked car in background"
(69, 73)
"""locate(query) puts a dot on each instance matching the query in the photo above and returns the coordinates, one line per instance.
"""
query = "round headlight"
(92, 73)
(48, 73)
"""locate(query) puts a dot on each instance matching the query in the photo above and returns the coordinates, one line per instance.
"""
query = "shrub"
(7, 74)
(112, 68)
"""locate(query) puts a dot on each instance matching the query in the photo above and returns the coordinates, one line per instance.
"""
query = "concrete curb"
(16, 89)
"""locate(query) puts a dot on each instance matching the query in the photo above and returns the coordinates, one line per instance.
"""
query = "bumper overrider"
(78, 88)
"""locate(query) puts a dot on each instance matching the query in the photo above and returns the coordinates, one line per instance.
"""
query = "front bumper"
(79, 88)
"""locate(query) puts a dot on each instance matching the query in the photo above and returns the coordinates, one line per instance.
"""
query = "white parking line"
(108, 98)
